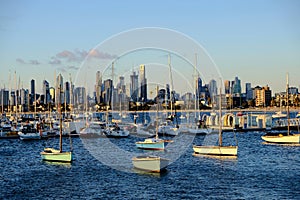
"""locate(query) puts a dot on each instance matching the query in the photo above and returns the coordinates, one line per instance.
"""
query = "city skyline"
(255, 41)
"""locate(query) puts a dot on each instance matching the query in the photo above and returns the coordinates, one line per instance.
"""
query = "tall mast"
(195, 83)
(171, 79)
(60, 120)
(287, 100)
(220, 116)
(157, 104)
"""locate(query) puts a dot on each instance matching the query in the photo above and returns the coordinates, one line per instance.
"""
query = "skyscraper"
(32, 91)
(98, 86)
(59, 89)
(249, 92)
(227, 86)
(46, 91)
(134, 87)
(67, 92)
(143, 80)
(237, 86)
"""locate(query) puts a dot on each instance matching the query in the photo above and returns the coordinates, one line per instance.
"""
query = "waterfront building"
(143, 80)
(134, 87)
(263, 96)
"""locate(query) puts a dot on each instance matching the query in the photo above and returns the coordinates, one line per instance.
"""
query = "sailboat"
(168, 128)
(219, 150)
(283, 137)
(51, 154)
(152, 143)
(200, 128)
(150, 163)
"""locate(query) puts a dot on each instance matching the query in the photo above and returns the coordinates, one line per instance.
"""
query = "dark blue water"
(260, 172)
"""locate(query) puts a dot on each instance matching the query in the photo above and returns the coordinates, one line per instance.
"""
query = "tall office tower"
(237, 86)
(168, 93)
(199, 88)
(212, 88)
(134, 87)
(98, 86)
(67, 92)
(46, 92)
(32, 91)
(52, 94)
(4, 99)
(24, 98)
(121, 89)
(59, 89)
(227, 86)
(107, 91)
(80, 96)
(143, 80)
(249, 93)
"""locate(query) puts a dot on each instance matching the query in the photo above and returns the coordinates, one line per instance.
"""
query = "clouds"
(79, 55)
(30, 62)
(67, 60)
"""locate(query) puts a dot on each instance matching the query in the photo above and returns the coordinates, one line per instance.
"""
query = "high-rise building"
(52, 94)
(227, 86)
(236, 87)
(98, 86)
(263, 96)
(67, 92)
(249, 93)
(79, 96)
(32, 91)
(46, 91)
(212, 88)
(107, 91)
(59, 89)
(134, 87)
(143, 80)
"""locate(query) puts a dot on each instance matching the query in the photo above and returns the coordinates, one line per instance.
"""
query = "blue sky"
(258, 41)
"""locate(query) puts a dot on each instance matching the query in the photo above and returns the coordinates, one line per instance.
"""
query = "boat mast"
(60, 120)
(157, 104)
(195, 82)
(171, 79)
(220, 116)
(287, 101)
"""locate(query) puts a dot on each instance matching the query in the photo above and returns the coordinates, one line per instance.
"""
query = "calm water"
(260, 171)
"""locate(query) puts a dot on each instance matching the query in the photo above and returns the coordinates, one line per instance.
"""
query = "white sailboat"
(198, 128)
(219, 150)
(152, 143)
(150, 163)
(168, 128)
(51, 154)
(283, 137)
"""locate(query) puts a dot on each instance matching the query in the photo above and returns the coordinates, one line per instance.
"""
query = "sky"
(258, 41)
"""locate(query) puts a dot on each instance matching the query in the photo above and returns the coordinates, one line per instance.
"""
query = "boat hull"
(216, 150)
(56, 156)
(151, 145)
(150, 164)
(199, 131)
(287, 139)
(30, 136)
